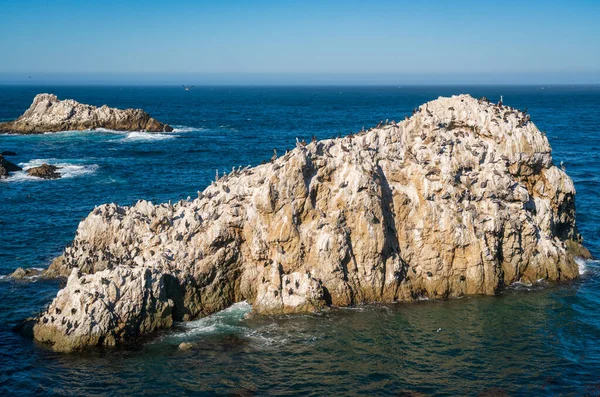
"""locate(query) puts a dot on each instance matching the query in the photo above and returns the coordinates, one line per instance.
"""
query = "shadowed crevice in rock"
(393, 266)
(462, 198)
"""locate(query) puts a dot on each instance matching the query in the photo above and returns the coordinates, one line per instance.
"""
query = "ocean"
(531, 340)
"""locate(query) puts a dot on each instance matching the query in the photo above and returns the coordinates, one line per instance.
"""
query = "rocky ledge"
(6, 166)
(48, 114)
(45, 171)
(461, 198)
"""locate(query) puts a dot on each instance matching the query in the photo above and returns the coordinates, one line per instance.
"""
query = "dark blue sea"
(541, 340)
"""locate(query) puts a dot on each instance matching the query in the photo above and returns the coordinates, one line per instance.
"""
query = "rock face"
(48, 114)
(45, 171)
(6, 167)
(462, 198)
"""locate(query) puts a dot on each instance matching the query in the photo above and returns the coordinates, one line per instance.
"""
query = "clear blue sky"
(296, 41)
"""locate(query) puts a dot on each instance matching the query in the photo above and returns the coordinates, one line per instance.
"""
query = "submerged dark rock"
(8, 153)
(48, 114)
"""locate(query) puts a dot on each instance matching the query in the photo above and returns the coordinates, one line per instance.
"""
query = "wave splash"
(66, 170)
(183, 128)
(584, 264)
(225, 322)
(146, 136)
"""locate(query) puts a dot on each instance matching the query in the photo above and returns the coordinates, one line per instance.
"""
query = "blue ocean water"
(530, 340)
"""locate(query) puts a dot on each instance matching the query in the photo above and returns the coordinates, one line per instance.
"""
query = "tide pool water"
(531, 340)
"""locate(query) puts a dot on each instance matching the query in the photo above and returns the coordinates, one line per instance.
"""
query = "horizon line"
(302, 79)
(382, 85)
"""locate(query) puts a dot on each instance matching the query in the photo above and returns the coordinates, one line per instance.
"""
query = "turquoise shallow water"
(537, 340)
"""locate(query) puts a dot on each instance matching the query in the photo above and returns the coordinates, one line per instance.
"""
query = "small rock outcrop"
(462, 198)
(48, 114)
(6, 167)
(22, 273)
(45, 171)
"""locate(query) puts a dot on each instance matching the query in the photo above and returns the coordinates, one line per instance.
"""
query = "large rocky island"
(48, 114)
(461, 198)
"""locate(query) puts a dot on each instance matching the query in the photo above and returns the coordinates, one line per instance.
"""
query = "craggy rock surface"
(45, 171)
(462, 198)
(48, 114)
(6, 167)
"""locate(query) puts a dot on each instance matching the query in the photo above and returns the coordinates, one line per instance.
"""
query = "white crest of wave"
(146, 136)
(66, 170)
(225, 320)
(183, 128)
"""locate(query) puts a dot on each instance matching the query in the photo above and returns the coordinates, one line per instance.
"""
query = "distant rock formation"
(48, 114)
(462, 198)
(45, 171)
(6, 167)
(21, 273)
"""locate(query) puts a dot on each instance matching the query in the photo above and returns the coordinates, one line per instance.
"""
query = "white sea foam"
(223, 322)
(183, 128)
(584, 264)
(66, 170)
(146, 136)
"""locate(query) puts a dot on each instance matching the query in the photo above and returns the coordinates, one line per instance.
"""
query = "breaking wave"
(183, 128)
(221, 322)
(66, 170)
(584, 264)
(146, 136)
